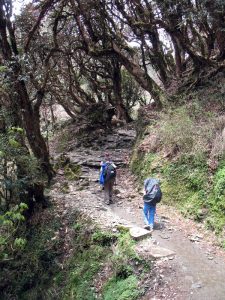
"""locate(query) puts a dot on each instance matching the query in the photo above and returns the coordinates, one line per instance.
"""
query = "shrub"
(104, 238)
(177, 130)
(218, 146)
(10, 242)
(219, 187)
(19, 169)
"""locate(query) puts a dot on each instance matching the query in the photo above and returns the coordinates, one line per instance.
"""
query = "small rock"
(194, 238)
(199, 236)
(154, 242)
(102, 208)
(210, 258)
(170, 229)
(196, 285)
(116, 191)
(165, 237)
(164, 259)
(171, 257)
(132, 196)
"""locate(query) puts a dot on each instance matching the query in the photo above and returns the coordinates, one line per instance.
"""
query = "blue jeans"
(149, 213)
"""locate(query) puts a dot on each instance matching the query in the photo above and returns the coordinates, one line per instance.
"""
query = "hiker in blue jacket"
(108, 177)
(152, 196)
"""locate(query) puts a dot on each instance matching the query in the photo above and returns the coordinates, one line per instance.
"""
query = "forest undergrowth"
(66, 256)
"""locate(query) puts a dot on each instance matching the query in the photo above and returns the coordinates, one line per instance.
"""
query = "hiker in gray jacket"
(152, 196)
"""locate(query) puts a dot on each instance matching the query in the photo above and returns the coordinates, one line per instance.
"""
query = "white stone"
(147, 249)
(138, 233)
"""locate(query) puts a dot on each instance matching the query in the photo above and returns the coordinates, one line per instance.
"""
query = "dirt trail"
(197, 270)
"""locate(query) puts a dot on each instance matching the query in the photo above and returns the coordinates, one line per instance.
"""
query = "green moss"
(104, 238)
(143, 165)
(216, 222)
(126, 245)
(89, 259)
(219, 183)
(83, 267)
(124, 283)
(223, 244)
(184, 185)
(37, 274)
(216, 202)
(121, 289)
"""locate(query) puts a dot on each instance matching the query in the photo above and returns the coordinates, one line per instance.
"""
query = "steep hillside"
(184, 147)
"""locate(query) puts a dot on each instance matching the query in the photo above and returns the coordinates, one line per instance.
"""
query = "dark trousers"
(108, 190)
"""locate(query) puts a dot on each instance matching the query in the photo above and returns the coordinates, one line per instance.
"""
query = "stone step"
(138, 233)
(148, 250)
(95, 163)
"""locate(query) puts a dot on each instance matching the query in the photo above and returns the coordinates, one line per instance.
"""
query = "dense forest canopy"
(74, 52)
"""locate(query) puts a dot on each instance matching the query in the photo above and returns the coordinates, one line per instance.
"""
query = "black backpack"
(153, 192)
(109, 172)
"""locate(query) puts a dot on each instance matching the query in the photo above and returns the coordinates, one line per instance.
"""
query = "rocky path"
(197, 269)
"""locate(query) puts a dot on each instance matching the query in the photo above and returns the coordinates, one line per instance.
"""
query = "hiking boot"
(151, 228)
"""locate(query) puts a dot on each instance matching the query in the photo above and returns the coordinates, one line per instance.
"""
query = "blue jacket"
(101, 177)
